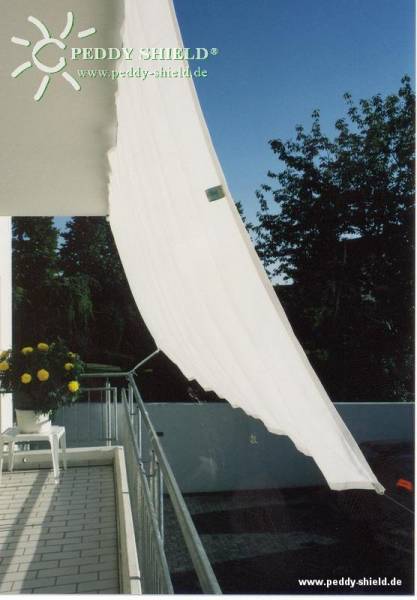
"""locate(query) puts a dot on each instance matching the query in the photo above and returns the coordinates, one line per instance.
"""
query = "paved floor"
(58, 538)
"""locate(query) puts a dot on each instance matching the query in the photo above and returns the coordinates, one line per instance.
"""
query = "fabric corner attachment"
(215, 193)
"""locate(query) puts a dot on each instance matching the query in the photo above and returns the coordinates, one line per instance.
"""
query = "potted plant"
(42, 378)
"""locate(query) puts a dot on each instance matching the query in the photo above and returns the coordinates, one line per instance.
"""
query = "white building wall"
(6, 407)
(213, 447)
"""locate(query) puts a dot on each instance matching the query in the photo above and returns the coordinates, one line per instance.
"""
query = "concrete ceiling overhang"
(53, 151)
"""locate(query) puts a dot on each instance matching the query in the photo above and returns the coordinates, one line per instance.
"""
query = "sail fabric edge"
(204, 323)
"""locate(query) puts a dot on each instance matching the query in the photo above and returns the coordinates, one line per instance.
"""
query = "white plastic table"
(55, 436)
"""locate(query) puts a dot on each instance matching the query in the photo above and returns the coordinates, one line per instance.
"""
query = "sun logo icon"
(45, 41)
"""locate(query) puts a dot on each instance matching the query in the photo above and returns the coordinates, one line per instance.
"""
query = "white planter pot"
(30, 422)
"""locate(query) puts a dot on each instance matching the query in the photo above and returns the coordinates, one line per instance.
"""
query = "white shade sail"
(192, 269)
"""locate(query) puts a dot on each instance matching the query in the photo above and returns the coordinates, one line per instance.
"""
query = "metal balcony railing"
(150, 477)
(145, 501)
(93, 420)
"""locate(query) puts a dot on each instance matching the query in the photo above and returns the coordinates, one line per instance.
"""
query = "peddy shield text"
(101, 53)
(141, 54)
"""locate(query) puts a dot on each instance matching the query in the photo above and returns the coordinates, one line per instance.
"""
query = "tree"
(34, 278)
(46, 303)
(77, 290)
(114, 331)
(341, 237)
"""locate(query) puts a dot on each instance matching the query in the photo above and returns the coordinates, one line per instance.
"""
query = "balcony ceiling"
(53, 154)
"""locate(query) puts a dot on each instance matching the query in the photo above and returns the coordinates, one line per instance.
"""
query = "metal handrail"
(123, 374)
(153, 521)
(160, 475)
(144, 361)
(201, 563)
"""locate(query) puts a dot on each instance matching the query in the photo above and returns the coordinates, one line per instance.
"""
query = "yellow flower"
(43, 347)
(3, 354)
(73, 386)
(4, 365)
(42, 375)
(27, 350)
(68, 366)
(71, 355)
(26, 378)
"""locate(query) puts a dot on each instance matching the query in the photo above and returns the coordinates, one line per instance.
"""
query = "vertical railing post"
(160, 498)
(108, 413)
(152, 469)
(89, 414)
(156, 485)
(139, 432)
(130, 396)
(116, 421)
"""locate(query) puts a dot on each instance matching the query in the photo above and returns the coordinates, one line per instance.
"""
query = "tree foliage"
(114, 330)
(73, 286)
(45, 298)
(35, 272)
(340, 235)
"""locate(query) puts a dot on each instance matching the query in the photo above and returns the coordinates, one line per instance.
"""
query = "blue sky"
(279, 60)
